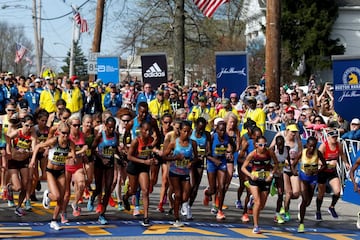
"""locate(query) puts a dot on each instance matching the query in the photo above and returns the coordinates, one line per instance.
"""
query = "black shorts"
(99, 164)
(290, 174)
(262, 185)
(122, 160)
(183, 178)
(325, 176)
(136, 168)
(56, 172)
(14, 164)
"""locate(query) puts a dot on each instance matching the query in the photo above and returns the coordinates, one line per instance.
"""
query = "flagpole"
(72, 54)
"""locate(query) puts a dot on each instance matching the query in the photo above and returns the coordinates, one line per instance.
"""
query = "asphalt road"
(204, 224)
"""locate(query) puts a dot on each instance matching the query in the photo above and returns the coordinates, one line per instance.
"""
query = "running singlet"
(79, 143)
(331, 155)
(58, 155)
(89, 141)
(219, 148)
(293, 151)
(144, 150)
(282, 158)
(42, 136)
(261, 166)
(201, 144)
(309, 165)
(107, 146)
(179, 167)
(135, 130)
(22, 142)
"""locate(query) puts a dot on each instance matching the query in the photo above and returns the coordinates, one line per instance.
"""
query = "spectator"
(49, 97)
(93, 102)
(146, 96)
(73, 98)
(33, 98)
(354, 132)
(159, 106)
(256, 114)
(38, 87)
(113, 100)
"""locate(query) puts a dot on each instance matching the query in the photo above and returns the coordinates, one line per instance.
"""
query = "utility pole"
(36, 39)
(179, 42)
(272, 50)
(96, 44)
(40, 38)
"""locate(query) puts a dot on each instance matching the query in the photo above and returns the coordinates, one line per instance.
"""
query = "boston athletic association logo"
(350, 86)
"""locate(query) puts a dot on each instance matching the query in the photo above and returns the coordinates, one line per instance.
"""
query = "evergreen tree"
(80, 66)
(306, 28)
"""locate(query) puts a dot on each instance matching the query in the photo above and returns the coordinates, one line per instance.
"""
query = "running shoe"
(189, 213)
(121, 207)
(282, 210)
(28, 206)
(287, 216)
(54, 225)
(46, 200)
(10, 193)
(38, 186)
(136, 211)
(278, 219)
(90, 205)
(146, 222)
(250, 211)
(126, 203)
(86, 193)
(238, 205)
(301, 228)
(245, 218)
(81, 200)
(256, 230)
(214, 210)
(206, 198)
(99, 208)
(178, 223)
(318, 216)
(183, 209)
(331, 210)
(251, 202)
(358, 221)
(76, 210)
(102, 220)
(64, 218)
(160, 208)
(220, 215)
(112, 203)
(170, 212)
(224, 207)
(19, 211)
(33, 198)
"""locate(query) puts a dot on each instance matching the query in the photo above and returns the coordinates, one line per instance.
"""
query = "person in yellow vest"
(49, 97)
(256, 114)
(202, 110)
(73, 98)
(159, 106)
(227, 107)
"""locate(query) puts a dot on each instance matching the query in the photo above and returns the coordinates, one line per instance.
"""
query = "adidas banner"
(154, 69)
(346, 76)
(231, 72)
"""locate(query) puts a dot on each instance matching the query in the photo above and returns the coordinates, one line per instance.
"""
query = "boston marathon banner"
(108, 69)
(346, 72)
(231, 72)
(154, 69)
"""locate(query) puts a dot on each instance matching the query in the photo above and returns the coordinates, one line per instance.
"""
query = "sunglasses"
(125, 120)
(28, 125)
(76, 125)
(166, 122)
(261, 144)
(11, 110)
(65, 133)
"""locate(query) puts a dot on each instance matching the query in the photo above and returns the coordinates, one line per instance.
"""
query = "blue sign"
(346, 72)
(108, 69)
(231, 72)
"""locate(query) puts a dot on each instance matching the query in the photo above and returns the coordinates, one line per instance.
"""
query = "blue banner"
(346, 72)
(231, 72)
(108, 69)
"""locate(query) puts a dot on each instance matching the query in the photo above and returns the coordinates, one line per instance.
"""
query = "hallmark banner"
(108, 69)
(346, 74)
(231, 72)
(154, 69)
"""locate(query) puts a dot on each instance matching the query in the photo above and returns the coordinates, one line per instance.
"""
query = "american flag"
(80, 21)
(20, 52)
(208, 7)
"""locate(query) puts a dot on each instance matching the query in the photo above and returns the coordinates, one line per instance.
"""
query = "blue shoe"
(256, 230)
(102, 220)
(90, 205)
(331, 210)
(238, 204)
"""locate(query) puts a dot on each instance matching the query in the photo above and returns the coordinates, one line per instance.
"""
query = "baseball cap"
(47, 78)
(289, 110)
(251, 99)
(304, 107)
(76, 81)
(233, 95)
(272, 104)
(217, 120)
(51, 82)
(202, 99)
(37, 80)
(160, 92)
(213, 85)
(292, 128)
(225, 101)
(31, 85)
(355, 121)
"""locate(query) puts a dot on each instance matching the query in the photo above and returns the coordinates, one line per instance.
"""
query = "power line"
(55, 18)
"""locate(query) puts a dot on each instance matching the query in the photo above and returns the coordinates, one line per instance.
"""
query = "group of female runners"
(127, 150)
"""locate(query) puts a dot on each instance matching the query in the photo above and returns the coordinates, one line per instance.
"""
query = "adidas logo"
(154, 71)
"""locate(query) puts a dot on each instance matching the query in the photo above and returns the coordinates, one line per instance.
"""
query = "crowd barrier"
(350, 147)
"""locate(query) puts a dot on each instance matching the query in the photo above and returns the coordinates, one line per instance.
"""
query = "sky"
(57, 33)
